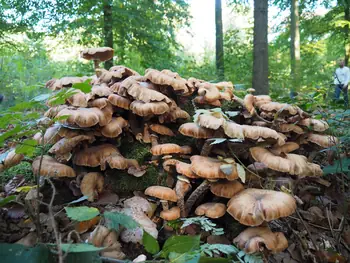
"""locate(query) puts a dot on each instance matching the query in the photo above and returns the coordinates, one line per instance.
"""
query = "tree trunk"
(347, 31)
(260, 52)
(219, 41)
(108, 28)
(295, 44)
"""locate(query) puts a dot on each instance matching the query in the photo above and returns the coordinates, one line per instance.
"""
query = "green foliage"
(180, 244)
(27, 147)
(6, 200)
(116, 219)
(23, 168)
(339, 166)
(150, 243)
(84, 87)
(175, 257)
(81, 213)
(204, 223)
(79, 248)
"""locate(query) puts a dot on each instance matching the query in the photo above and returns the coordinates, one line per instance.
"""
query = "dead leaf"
(15, 182)
(83, 226)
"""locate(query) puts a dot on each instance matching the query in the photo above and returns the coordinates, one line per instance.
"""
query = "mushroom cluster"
(223, 169)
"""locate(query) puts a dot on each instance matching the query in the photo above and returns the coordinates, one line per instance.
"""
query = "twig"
(314, 225)
(307, 229)
(329, 222)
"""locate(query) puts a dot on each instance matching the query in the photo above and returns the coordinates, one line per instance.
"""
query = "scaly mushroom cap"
(249, 103)
(292, 163)
(288, 127)
(161, 129)
(226, 189)
(201, 100)
(315, 125)
(322, 140)
(114, 128)
(11, 159)
(211, 210)
(124, 71)
(261, 99)
(95, 155)
(171, 214)
(169, 148)
(99, 54)
(209, 91)
(250, 240)
(50, 167)
(115, 161)
(162, 193)
(166, 77)
(174, 115)
(66, 145)
(78, 99)
(119, 101)
(209, 121)
(99, 103)
(146, 109)
(191, 129)
(285, 148)
(252, 206)
(279, 107)
(211, 168)
(100, 90)
(185, 169)
(86, 117)
(92, 185)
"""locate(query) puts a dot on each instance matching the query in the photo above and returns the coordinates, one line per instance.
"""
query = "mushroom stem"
(165, 205)
(206, 148)
(154, 140)
(96, 64)
(202, 188)
(181, 190)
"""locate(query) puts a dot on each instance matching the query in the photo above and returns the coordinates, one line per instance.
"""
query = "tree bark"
(347, 31)
(295, 44)
(108, 28)
(219, 41)
(260, 52)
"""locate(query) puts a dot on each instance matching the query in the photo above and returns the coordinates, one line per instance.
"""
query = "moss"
(23, 168)
(123, 183)
(135, 150)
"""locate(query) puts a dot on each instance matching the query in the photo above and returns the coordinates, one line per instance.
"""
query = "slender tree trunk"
(347, 31)
(108, 28)
(219, 41)
(260, 56)
(295, 44)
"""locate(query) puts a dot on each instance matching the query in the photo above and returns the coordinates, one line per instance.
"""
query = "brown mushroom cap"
(209, 91)
(146, 109)
(226, 189)
(95, 155)
(99, 103)
(210, 168)
(114, 128)
(191, 129)
(171, 214)
(161, 129)
(185, 169)
(162, 193)
(252, 206)
(66, 145)
(50, 167)
(248, 103)
(119, 101)
(250, 240)
(11, 159)
(78, 99)
(285, 148)
(292, 163)
(169, 148)
(288, 127)
(322, 140)
(261, 99)
(92, 185)
(211, 210)
(315, 125)
(279, 107)
(201, 100)
(99, 54)
(210, 121)
(166, 77)
(167, 164)
(100, 90)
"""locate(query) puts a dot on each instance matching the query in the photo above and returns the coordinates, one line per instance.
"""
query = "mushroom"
(164, 194)
(92, 185)
(315, 125)
(12, 158)
(119, 101)
(147, 109)
(211, 210)
(168, 78)
(140, 204)
(259, 100)
(50, 167)
(285, 148)
(195, 131)
(161, 129)
(325, 141)
(97, 55)
(250, 240)
(185, 169)
(251, 90)
(226, 189)
(182, 187)
(249, 104)
(114, 128)
(171, 214)
(288, 127)
(209, 91)
(169, 148)
(202, 100)
(252, 206)
(95, 155)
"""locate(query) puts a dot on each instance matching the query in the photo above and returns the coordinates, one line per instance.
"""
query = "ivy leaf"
(81, 213)
(6, 200)
(241, 172)
(180, 244)
(184, 258)
(150, 243)
(83, 86)
(27, 147)
(115, 219)
(80, 248)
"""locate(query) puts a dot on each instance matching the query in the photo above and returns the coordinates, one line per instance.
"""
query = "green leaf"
(217, 140)
(81, 213)
(342, 165)
(23, 106)
(61, 118)
(184, 258)
(27, 147)
(79, 248)
(214, 260)
(84, 86)
(150, 243)
(180, 244)
(241, 172)
(115, 219)
(42, 97)
(6, 200)
(24, 189)
(10, 133)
